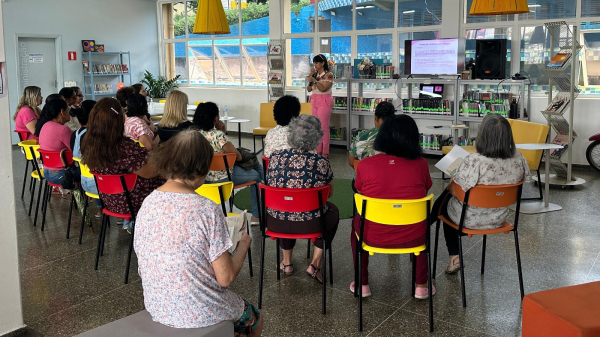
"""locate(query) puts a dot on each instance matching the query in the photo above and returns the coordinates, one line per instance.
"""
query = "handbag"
(248, 161)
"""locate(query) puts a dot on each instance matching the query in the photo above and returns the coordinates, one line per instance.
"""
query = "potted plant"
(366, 68)
(159, 87)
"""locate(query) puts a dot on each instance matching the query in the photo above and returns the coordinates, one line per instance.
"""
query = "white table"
(540, 206)
(239, 121)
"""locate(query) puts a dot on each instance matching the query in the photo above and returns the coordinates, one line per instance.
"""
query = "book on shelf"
(86, 66)
(428, 106)
(276, 64)
(109, 68)
(276, 91)
(562, 140)
(558, 60)
(103, 88)
(451, 162)
(430, 142)
(275, 49)
(367, 103)
(275, 77)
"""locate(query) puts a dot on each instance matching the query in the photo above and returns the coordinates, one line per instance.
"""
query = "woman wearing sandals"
(301, 167)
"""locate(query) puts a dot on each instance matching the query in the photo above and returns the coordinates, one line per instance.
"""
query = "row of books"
(105, 68)
(103, 88)
(465, 141)
(486, 96)
(430, 142)
(367, 103)
(428, 106)
(475, 109)
(337, 133)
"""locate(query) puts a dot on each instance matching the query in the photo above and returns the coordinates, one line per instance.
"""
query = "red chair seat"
(53, 184)
(125, 216)
(275, 235)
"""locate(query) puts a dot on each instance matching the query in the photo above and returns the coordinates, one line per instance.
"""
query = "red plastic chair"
(294, 200)
(115, 184)
(58, 159)
(23, 136)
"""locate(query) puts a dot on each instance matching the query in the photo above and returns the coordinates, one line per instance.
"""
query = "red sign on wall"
(72, 56)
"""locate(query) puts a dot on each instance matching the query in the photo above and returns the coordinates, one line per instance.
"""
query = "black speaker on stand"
(490, 59)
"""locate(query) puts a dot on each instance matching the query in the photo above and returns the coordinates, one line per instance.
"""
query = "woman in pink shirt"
(136, 124)
(55, 136)
(28, 112)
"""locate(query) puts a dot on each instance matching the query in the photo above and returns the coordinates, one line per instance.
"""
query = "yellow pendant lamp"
(498, 7)
(210, 18)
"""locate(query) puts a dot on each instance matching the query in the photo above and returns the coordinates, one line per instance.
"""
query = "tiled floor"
(63, 295)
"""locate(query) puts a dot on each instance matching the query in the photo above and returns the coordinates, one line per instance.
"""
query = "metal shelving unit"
(524, 95)
(118, 77)
(276, 90)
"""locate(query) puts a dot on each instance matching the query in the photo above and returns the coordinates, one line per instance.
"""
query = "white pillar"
(11, 316)
(451, 19)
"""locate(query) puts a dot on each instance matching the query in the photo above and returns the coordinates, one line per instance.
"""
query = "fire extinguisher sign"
(72, 56)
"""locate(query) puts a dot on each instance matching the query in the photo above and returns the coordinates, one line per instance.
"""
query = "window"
(590, 8)
(301, 16)
(484, 18)
(590, 64)
(535, 54)
(549, 9)
(299, 60)
(375, 15)
(334, 16)
(419, 13)
(203, 60)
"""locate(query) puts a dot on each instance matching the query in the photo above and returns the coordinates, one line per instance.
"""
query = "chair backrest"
(393, 211)
(355, 164)
(527, 132)
(22, 135)
(222, 161)
(85, 170)
(28, 146)
(265, 161)
(57, 158)
(198, 102)
(211, 191)
(115, 183)
(162, 101)
(489, 196)
(139, 143)
(294, 199)
(266, 113)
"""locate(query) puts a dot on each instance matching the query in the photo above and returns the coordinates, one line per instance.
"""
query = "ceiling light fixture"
(210, 18)
(498, 7)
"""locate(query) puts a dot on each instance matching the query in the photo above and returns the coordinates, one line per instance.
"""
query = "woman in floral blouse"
(286, 108)
(300, 167)
(362, 145)
(207, 119)
(184, 251)
(496, 162)
(319, 83)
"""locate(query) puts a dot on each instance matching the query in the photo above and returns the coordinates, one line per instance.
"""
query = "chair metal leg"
(85, 205)
(413, 273)
(324, 275)
(308, 249)
(130, 252)
(70, 214)
(249, 254)
(47, 191)
(519, 264)
(102, 224)
(462, 272)
(359, 286)
(277, 249)
(31, 199)
(103, 233)
(37, 204)
(356, 262)
(25, 179)
(435, 249)
(541, 197)
(483, 255)
(330, 266)
(262, 270)
(31, 180)
(430, 289)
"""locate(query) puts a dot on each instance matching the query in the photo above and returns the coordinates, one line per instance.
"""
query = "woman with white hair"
(301, 167)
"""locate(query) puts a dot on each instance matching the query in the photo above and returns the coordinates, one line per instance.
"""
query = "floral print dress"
(362, 145)
(217, 139)
(276, 140)
(477, 169)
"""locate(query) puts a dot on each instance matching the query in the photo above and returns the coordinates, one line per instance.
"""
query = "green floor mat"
(342, 197)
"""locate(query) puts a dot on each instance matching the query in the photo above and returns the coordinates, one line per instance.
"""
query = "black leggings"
(450, 234)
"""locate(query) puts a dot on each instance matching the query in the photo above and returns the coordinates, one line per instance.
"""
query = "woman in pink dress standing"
(320, 83)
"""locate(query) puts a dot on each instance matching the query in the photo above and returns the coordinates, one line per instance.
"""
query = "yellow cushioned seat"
(469, 148)
(261, 131)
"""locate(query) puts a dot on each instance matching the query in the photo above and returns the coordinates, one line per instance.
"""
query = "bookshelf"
(276, 69)
(103, 71)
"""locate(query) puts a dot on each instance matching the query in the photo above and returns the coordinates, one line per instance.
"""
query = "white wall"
(11, 317)
(119, 25)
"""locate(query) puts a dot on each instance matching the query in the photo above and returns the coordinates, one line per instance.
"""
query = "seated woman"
(136, 124)
(139, 88)
(174, 117)
(362, 145)
(28, 111)
(286, 108)
(496, 162)
(397, 172)
(207, 119)
(123, 95)
(183, 246)
(88, 184)
(70, 95)
(54, 135)
(106, 150)
(301, 167)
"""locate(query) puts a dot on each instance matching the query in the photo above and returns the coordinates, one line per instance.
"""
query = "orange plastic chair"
(294, 200)
(59, 159)
(116, 184)
(483, 196)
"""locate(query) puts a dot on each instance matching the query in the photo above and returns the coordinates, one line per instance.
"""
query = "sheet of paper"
(236, 226)
(450, 163)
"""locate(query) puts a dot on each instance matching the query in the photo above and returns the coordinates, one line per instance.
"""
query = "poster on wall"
(36, 58)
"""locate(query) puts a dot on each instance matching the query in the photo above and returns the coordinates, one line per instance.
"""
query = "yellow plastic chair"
(394, 213)
(85, 172)
(31, 154)
(156, 118)
(267, 121)
(198, 102)
(27, 161)
(219, 193)
(139, 143)
(162, 101)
